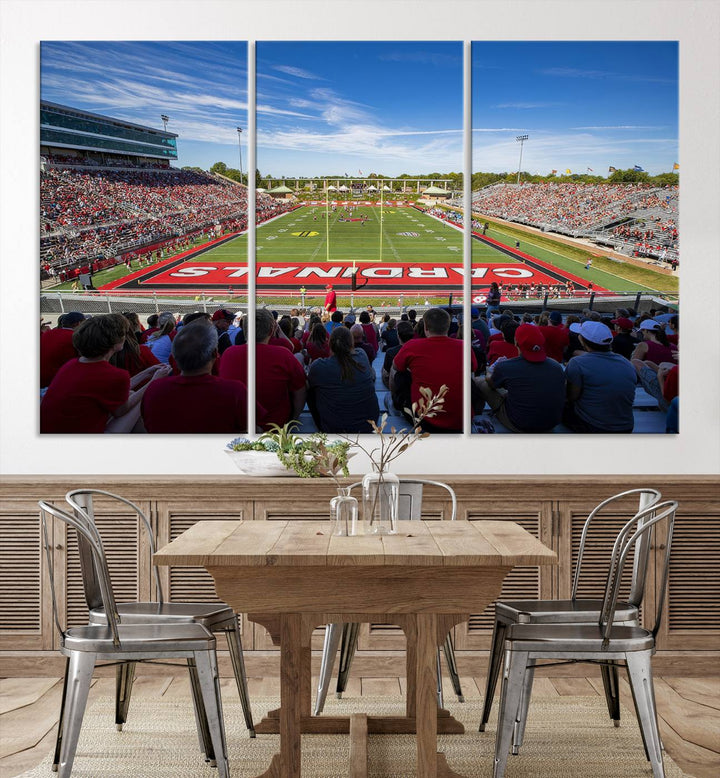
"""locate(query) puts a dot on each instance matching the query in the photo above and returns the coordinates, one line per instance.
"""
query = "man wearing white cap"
(600, 385)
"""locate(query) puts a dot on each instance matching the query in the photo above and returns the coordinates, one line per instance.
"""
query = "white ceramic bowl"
(263, 464)
(259, 463)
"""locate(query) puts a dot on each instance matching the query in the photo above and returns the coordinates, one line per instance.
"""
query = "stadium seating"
(87, 213)
(573, 209)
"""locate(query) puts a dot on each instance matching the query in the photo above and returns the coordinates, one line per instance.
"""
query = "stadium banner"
(392, 276)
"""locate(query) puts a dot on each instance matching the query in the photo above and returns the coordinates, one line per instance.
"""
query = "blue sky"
(380, 107)
(387, 107)
(583, 104)
(201, 86)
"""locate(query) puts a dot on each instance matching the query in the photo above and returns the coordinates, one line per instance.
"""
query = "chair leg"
(206, 745)
(333, 633)
(207, 671)
(511, 692)
(438, 675)
(641, 682)
(124, 677)
(80, 670)
(521, 718)
(238, 663)
(612, 690)
(58, 739)
(449, 650)
(347, 652)
(495, 664)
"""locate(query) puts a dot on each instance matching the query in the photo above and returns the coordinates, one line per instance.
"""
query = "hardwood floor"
(689, 710)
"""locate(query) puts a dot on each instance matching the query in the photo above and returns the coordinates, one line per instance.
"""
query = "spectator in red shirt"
(370, 330)
(556, 336)
(222, 319)
(318, 343)
(505, 347)
(152, 326)
(133, 357)
(433, 361)
(56, 346)
(88, 394)
(280, 378)
(358, 336)
(196, 401)
(330, 299)
(285, 326)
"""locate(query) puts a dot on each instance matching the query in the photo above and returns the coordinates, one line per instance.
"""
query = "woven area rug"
(566, 737)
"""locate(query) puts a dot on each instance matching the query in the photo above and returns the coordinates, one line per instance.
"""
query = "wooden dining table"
(293, 576)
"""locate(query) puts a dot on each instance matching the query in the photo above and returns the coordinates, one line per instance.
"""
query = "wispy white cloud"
(436, 59)
(577, 150)
(297, 72)
(603, 74)
(619, 127)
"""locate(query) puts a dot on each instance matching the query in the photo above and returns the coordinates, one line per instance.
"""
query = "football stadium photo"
(338, 265)
(357, 446)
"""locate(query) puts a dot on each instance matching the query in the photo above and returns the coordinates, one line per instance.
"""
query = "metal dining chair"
(345, 636)
(609, 640)
(115, 641)
(216, 617)
(576, 610)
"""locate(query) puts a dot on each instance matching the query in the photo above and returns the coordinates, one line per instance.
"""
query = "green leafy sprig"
(308, 457)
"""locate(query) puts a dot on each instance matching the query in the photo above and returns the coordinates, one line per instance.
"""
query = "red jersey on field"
(331, 301)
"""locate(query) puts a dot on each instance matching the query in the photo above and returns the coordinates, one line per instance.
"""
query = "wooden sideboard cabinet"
(552, 508)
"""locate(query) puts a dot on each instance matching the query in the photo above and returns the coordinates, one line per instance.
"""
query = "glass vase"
(344, 513)
(380, 494)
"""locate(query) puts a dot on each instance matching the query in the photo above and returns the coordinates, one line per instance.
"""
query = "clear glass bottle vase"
(344, 513)
(380, 495)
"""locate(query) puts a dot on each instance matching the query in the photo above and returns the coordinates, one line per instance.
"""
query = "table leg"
(425, 694)
(294, 694)
(430, 763)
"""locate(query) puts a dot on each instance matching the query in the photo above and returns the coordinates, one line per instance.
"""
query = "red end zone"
(287, 277)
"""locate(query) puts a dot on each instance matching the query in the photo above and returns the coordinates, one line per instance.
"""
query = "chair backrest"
(88, 535)
(82, 502)
(411, 495)
(646, 499)
(637, 530)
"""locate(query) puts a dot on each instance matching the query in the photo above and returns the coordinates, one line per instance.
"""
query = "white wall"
(696, 24)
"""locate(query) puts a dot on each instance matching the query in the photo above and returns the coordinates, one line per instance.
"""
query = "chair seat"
(559, 611)
(209, 614)
(558, 638)
(143, 638)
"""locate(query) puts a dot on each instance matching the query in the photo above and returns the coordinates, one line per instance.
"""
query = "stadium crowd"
(570, 206)
(189, 375)
(90, 214)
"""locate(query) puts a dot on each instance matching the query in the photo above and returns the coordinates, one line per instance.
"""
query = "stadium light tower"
(239, 130)
(165, 119)
(521, 139)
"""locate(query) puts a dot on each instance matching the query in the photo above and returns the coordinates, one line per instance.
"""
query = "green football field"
(403, 235)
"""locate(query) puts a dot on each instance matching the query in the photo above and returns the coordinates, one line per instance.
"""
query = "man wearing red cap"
(330, 299)
(526, 393)
(222, 319)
